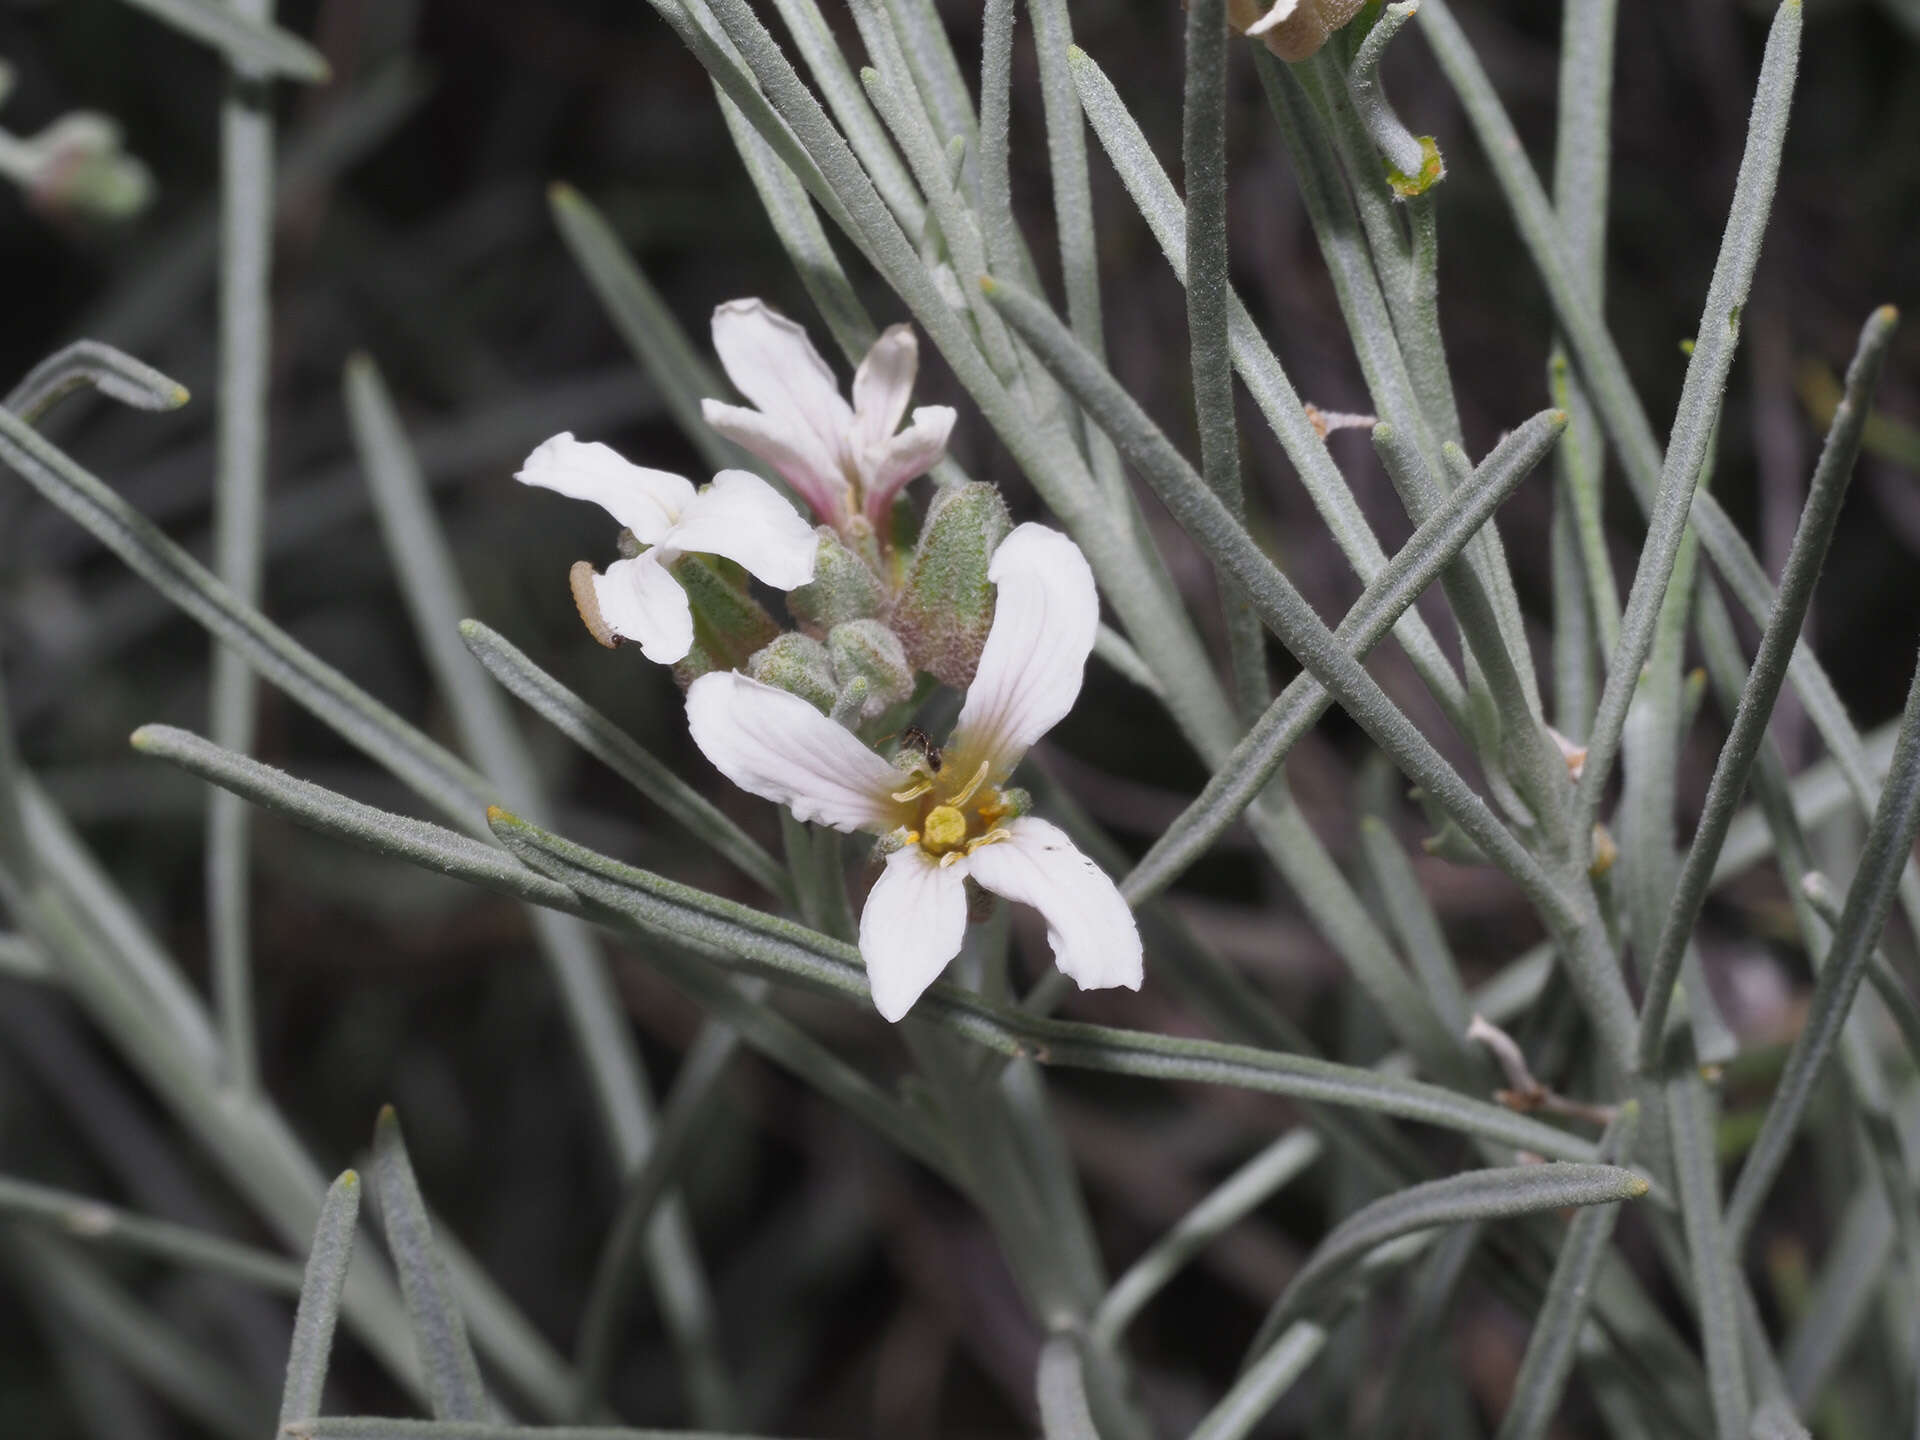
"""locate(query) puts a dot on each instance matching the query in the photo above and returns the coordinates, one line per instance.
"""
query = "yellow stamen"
(913, 792)
(950, 858)
(999, 832)
(979, 779)
(945, 827)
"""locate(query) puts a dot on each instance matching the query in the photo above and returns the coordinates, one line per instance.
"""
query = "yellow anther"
(999, 832)
(913, 792)
(979, 779)
(952, 857)
(945, 828)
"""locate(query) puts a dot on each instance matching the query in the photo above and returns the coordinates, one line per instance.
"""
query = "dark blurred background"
(857, 1296)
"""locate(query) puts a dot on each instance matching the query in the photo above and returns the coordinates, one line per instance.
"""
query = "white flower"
(739, 517)
(844, 460)
(946, 815)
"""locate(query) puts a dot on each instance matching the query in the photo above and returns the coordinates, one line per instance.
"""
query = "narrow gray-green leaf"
(1411, 914)
(1160, 206)
(678, 371)
(1279, 604)
(424, 766)
(418, 842)
(1887, 850)
(1388, 594)
(453, 1375)
(1690, 1123)
(1496, 1194)
(431, 586)
(790, 211)
(1204, 150)
(368, 1427)
(239, 524)
(114, 373)
(1621, 410)
(98, 1223)
(462, 857)
(784, 950)
(320, 1292)
(1552, 1347)
(201, 1384)
(1715, 344)
(1226, 1205)
(1742, 748)
(1061, 1389)
(250, 45)
(1262, 1384)
(621, 753)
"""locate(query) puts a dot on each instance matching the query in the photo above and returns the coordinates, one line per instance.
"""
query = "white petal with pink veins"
(772, 362)
(1095, 941)
(741, 517)
(882, 386)
(794, 452)
(914, 923)
(647, 502)
(907, 456)
(1046, 612)
(776, 745)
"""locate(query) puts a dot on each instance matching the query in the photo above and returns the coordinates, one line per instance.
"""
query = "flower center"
(944, 828)
(956, 817)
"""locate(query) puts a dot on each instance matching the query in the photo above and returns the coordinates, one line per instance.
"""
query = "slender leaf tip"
(562, 195)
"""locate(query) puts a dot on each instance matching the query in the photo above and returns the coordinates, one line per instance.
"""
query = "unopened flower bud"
(868, 650)
(1292, 29)
(797, 663)
(947, 608)
(844, 588)
(76, 167)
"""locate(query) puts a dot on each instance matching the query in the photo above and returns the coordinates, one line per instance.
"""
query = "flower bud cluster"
(877, 598)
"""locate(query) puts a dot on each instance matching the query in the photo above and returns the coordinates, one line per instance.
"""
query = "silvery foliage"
(905, 164)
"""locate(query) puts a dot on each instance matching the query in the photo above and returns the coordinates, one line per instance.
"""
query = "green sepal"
(799, 664)
(947, 608)
(844, 588)
(870, 651)
(728, 624)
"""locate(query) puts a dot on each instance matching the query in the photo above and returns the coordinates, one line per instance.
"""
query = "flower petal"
(882, 386)
(914, 922)
(1282, 10)
(772, 362)
(639, 600)
(743, 518)
(911, 453)
(1046, 611)
(792, 450)
(777, 746)
(1095, 941)
(646, 501)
